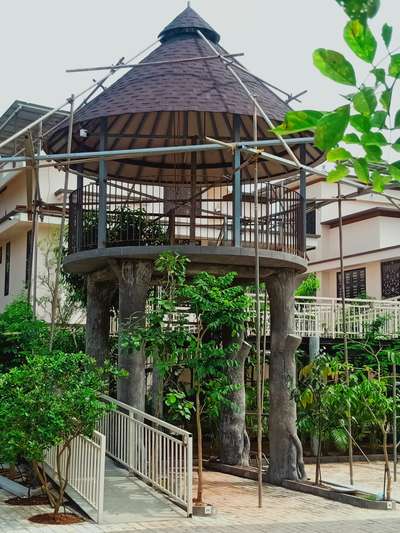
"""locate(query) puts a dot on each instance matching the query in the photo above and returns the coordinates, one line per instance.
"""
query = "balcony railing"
(143, 215)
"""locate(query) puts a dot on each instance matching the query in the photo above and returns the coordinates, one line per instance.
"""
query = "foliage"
(309, 286)
(134, 225)
(367, 119)
(47, 402)
(322, 400)
(251, 407)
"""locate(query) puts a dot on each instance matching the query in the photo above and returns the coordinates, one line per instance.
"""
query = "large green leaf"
(380, 74)
(394, 67)
(351, 138)
(338, 154)
(397, 120)
(378, 119)
(365, 101)
(387, 34)
(338, 173)
(360, 123)
(335, 66)
(396, 145)
(361, 169)
(331, 127)
(379, 181)
(360, 9)
(373, 138)
(360, 40)
(386, 99)
(296, 121)
(394, 170)
(373, 153)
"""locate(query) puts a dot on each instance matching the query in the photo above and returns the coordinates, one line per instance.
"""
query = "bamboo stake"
(62, 225)
(345, 346)
(258, 322)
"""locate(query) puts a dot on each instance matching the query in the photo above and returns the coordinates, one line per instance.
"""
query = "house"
(16, 224)
(371, 247)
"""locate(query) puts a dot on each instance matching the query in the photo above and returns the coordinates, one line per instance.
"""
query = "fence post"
(189, 478)
(102, 468)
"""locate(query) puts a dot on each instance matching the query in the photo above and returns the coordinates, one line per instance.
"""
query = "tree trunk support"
(99, 299)
(286, 453)
(134, 284)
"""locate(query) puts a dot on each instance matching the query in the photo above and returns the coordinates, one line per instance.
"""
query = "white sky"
(41, 38)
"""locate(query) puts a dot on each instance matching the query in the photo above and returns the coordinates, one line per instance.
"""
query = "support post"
(313, 352)
(193, 190)
(79, 210)
(286, 453)
(237, 200)
(102, 228)
(303, 196)
(134, 285)
(98, 309)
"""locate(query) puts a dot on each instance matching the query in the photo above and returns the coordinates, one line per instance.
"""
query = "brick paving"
(284, 511)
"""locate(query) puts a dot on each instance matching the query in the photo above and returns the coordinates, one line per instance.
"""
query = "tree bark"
(134, 284)
(99, 298)
(285, 450)
(234, 440)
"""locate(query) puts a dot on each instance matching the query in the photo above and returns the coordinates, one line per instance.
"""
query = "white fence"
(159, 453)
(86, 471)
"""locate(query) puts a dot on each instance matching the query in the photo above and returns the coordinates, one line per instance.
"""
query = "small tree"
(48, 401)
(323, 400)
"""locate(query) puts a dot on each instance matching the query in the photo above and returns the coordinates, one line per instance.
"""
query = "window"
(390, 274)
(7, 270)
(28, 257)
(311, 219)
(354, 283)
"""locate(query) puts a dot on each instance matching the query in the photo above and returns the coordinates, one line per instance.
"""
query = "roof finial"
(188, 4)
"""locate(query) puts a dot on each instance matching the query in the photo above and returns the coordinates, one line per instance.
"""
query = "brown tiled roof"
(174, 103)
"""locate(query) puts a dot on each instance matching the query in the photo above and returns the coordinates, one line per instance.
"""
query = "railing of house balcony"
(142, 215)
(159, 453)
(322, 317)
(86, 470)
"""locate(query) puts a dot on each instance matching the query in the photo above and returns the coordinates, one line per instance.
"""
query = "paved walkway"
(284, 511)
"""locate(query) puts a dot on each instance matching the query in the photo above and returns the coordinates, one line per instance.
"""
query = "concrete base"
(341, 494)
(204, 510)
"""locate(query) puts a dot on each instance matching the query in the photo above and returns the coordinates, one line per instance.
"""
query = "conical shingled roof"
(174, 104)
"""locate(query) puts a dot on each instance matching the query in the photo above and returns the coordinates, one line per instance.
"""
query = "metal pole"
(102, 228)
(237, 193)
(258, 322)
(62, 225)
(394, 421)
(303, 196)
(345, 346)
(34, 270)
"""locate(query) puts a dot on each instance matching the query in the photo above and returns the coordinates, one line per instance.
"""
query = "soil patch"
(60, 519)
(33, 500)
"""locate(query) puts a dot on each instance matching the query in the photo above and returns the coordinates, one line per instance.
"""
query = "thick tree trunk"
(134, 284)
(99, 299)
(285, 449)
(234, 441)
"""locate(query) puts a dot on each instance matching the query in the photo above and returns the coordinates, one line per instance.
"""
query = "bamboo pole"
(62, 225)
(258, 321)
(345, 346)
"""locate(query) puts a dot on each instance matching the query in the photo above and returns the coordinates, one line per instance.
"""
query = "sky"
(40, 39)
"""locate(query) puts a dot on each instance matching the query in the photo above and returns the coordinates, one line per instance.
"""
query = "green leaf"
(397, 120)
(351, 138)
(396, 145)
(374, 153)
(380, 75)
(379, 181)
(360, 123)
(373, 138)
(394, 170)
(365, 101)
(361, 169)
(394, 67)
(338, 154)
(378, 119)
(335, 66)
(331, 127)
(360, 9)
(360, 40)
(386, 99)
(296, 121)
(387, 34)
(336, 174)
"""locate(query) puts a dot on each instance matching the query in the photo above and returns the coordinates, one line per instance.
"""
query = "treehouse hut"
(196, 200)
